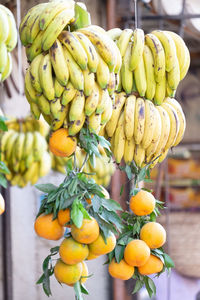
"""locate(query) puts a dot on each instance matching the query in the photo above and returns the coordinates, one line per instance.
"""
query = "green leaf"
(119, 253)
(110, 204)
(142, 174)
(82, 18)
(128, 172)
(150, 286)
(76, 215)
(41, 279)
(46, 188)
(153, 217)
(77, 289)
(138, 285)
(84, 290)
(3, 181)
(3, 168)
(3, 125)
(168, 261)
(84, 212)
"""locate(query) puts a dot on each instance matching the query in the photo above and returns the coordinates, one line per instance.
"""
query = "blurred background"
(176, 181)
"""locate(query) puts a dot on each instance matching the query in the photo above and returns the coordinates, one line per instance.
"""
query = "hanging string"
(136, 14)
(19, 49)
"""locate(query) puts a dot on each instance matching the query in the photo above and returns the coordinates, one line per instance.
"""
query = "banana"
(137, 48)
(112, 83)
(10, 145)
(103, 100)
(150, 151)
(45, 164)
(158, 54)
(181, 117)
(75, 72)
(139, 156)
(173, 77)
(51, 10)
(45, 77)
(44, 105)
(29, 88)
(160, 91)
(59, 89)
(139, 120)
(149, 71)
(129, 150)
(102, 42)
(36, 174)
(119, 141)
(4, 25)
(35, 110)
(31, 171)
(59, 63)
(163, 156)
(4, 139)
(3, 55)
(114, 33)
(124, 40)
(55, 27)
(150, 124)
(129, 114)
(102, 131)
(55, 107)
(47, 118)
(140, 78)
(76, 125)
(62, 114)
(102, 73)
(174, 125)
(34, 73)
(94, 123)
(89, 81)
(117, 107)
(39, 146)
(107, 113)
(92, 56)
(92, 101)
(8, 69)
(19, 146)
(169, 92)
(169, 48)
(68, 94)
(117, 56)
(77, 106)
(126, 74)
(165, 130)
(96, 28)
(182, 53)
(36, 48)
(75, 48)
(11, 40)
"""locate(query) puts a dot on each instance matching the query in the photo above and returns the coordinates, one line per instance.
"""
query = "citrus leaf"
(119, 253)
(110, 204)
(84, 290)
(3, 168)
(138, 285)
(46, 188)
(77, 289)
(3, 125)
(168, 261)
(3, 181)
(76, 215)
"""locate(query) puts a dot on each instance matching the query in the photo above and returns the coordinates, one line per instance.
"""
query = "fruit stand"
(104, 111)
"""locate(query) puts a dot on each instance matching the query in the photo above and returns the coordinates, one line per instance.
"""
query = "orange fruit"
(68, 274)
(61, 144)
(91, 256)
(122, 270)
(2, 204)
(99, 247)
(63, 216)
(153, 265)
(72, 252)
(48, 228)
(143, 203)
(153, 234)
(84, 272)
(136, 253)
(87, 233)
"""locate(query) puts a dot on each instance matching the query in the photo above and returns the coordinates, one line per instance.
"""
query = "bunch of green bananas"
(26, 156)
(8, 41)
(103, 170)
(72, 75)
(152, 64)
(142, 131)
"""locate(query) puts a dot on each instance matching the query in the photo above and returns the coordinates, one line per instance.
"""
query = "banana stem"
(84, 162)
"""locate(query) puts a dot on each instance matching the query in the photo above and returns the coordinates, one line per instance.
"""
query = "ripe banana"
(77, 106)
(76, 125)
(45, 77)
(92, 101)
(59, 89)
(4, 25)
(149, 71)
(140, 78)
(107, 113)
(3, 56)
(119, 141)
(34, 73)
(139, 156)
(62, 115)
(112, 83)
(94, 123)
(29, 88)
(44, 105)
(160, 91)
(36, 48)
(103, 100)
(124, 40)
(68, 94)
(129, 116)
(139, 120)
(129, 150)
(114, 33)
(8, 68)
(11, 40)
(173, 77)
(137, 48)
(102, 73)
(150, 124)
(89, 81)
(126, 74)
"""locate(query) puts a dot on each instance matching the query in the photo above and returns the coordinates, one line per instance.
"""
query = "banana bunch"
(103, 170)
(152, 64)
(26, 156)
(28, 124)
(8, 41)
(143, 132)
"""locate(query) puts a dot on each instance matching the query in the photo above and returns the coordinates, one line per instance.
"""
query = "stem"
(84, 162)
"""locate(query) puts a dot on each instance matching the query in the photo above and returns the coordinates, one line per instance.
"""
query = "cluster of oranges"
(84, 243)
(137, 252)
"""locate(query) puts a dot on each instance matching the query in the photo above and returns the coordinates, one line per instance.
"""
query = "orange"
(87, 233)
(61, 144)
(153, 265)
(122, 270)
(48, 228)
(84, 272)
(153, 234)
(136, 253)
(91, 256)
(2, 204)
(68, 274)
(143, 203)
(63, 216)
(72, 252)
(99, 247)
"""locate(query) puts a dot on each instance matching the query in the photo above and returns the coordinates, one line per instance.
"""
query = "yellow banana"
(59, 89)
(10, 145)
(59, 122)
(4, 139)
(89, 81)
(76, 125)
(39, 145)
(34, 73)
(173, 77)
(8, 69)
(126, 74)
(140, 78)
(112, 83)
(150, 124)
(31, 171)
(45, 76)
(44, 105)
(102, 73)
(94, 123)
(139, 120)
(4, 25)
(129, 116)
(45, 164)
(3, 55)
(119, 141)
(68, 94)
(77, 106)
(29, 88)
(107, 113)
(103, 100)
(124, 40)
(137, 48)
(59, 63)
(149, 71)
(34, 49)
(160, 91)
(139, 155)
(92, 101)
(129, 150)
(114, 33)
(11, 40)
(55, 107)
(28, 144)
